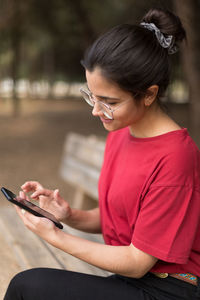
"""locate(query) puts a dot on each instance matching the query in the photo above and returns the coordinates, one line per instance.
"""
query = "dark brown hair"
(131, 55)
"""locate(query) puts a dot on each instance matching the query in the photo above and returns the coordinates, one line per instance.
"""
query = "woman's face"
(126, 111)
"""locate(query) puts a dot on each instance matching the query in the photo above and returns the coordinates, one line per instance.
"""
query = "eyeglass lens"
(105, 110)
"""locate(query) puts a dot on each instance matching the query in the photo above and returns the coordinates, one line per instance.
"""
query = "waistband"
(187, 277)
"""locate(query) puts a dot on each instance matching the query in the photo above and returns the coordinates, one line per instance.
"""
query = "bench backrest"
(82, 161)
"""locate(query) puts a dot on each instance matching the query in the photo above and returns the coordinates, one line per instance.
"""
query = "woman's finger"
(56, 194)
(41, 192)
(32, 222)
(26, 216)
(22, 195)
(30, 186)
(21, 212)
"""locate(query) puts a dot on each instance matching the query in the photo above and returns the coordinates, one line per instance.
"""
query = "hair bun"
(166, 22)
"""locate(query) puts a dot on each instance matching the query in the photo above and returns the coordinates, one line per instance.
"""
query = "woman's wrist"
(71, 217)
(84, 220)
(52, 236)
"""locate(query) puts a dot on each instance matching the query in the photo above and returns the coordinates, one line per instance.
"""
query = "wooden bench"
(81, 163)
(30, 251)
(80, 166)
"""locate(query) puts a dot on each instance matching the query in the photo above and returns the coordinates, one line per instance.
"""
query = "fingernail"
(56, 192)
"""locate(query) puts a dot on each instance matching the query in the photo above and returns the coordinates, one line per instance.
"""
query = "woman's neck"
(154, 122)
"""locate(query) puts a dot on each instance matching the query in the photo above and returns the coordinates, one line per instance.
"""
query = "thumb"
(56, 194)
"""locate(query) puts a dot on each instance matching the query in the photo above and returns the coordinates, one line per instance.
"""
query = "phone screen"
(30, 207)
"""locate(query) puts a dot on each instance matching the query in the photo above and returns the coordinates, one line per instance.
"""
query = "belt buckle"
(161, 275)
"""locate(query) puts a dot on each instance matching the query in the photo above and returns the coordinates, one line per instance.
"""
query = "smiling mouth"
(106, 120)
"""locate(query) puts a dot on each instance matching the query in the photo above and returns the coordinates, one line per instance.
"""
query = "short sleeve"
(167, 223)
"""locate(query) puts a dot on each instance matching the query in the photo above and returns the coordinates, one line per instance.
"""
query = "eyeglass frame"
(94, 101)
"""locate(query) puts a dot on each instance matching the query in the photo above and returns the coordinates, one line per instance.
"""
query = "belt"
(187, 277)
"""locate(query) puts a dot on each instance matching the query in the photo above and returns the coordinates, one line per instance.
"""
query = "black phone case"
(11, 197)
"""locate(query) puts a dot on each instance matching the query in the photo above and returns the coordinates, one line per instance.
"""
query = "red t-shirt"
(149, 193)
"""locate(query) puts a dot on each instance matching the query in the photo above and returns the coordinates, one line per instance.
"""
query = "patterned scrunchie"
(165, 41)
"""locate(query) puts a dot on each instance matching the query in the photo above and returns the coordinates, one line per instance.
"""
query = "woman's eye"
(112, 103)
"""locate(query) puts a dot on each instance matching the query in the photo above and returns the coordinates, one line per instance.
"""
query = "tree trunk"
(14, 73)
(84, 19)
(49, 69)
(188, 11)
(15, 34)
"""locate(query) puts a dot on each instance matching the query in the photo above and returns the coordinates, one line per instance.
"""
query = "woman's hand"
(49, 200)
(43, 227)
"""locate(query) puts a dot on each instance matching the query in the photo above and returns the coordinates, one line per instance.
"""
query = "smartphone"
(30, 207)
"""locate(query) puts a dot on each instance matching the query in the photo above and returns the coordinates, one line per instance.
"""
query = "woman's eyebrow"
(103, 97)
(106, 97)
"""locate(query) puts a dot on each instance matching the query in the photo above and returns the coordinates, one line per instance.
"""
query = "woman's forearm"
(124, 260)
(85, 220)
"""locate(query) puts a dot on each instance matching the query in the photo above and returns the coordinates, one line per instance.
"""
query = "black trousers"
(53, 284)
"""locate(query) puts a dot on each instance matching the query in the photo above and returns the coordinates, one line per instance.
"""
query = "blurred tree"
(13, 16)
(189, 12)
(54, 33)
(66, 27)
(46, 39)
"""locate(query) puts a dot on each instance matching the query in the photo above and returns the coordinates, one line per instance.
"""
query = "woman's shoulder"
(182, 159)
(183, 147)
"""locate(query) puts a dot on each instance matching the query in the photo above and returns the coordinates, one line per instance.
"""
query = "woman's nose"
(96, 110)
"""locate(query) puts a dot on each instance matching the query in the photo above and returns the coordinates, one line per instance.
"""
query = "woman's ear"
(151, 94)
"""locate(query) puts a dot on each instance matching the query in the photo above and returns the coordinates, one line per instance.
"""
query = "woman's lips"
(105, 120)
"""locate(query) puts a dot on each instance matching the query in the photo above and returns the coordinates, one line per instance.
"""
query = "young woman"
(149, 188)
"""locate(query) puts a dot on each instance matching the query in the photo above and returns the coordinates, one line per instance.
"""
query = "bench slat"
(26, 246)
(86, 149)
(80, 175)
(30, 251)
(81, 163)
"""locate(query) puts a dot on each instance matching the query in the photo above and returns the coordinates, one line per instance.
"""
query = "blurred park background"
(42, 43)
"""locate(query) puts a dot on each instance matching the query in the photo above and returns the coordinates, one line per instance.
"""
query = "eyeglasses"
(104, 107)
